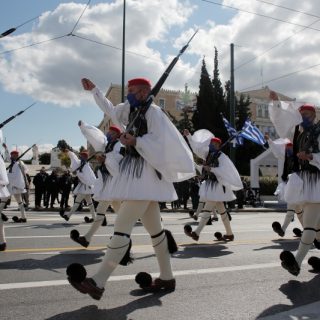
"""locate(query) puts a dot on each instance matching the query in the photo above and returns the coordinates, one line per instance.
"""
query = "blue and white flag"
(251, 132)
(232, 132)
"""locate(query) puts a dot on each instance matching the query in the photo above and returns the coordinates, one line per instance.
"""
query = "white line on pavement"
(37, 284)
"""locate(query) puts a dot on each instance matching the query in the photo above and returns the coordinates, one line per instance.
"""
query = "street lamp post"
(232, 100)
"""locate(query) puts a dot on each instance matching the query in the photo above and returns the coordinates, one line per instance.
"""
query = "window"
(260, 115)
(162, 103)
(266, 111)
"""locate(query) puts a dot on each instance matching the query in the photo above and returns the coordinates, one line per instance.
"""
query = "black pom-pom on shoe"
(297, 232)
(143, 279)
(104, 222)
(218, 235)
(88, 220)
(277, 228)
(4, 217)
(316, 243)
(75, 236)
(314, 262)
(76, 272)
(289, 262)
(16, 219)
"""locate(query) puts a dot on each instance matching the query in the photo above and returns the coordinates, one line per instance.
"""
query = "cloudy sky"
(276, 44)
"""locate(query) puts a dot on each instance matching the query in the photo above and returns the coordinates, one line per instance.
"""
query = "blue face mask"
(306, 123)
(289, 152)
(133, 101)
(212, 148)
(109, 137)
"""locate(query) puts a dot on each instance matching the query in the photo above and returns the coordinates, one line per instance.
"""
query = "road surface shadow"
(118, 313)
(299, 293)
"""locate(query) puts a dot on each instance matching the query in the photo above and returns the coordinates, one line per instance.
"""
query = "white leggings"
(127, 215)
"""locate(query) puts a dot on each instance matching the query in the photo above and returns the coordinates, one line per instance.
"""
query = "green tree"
(203, 117)
(44, 158)
(219, 102)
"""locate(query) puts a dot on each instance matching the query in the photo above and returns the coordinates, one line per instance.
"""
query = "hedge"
(268, 184)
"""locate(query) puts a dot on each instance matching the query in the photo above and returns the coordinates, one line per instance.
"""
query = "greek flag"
(232, 132)
(251, 132)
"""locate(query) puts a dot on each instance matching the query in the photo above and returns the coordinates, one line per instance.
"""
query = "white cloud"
(51, 72)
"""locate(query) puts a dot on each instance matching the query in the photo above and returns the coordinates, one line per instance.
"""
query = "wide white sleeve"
(164, 148)
(113, 159)
(86, 175)
(23, 167)
(75, 162)
(227, 174)
(118, 114)
(95, 136)
(198, 148)
(278, 147)
(285, 116)
(3, 173)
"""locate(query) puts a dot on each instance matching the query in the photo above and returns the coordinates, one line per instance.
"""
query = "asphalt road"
(242, 279)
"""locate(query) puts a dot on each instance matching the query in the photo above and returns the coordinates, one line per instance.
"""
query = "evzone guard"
(303, 185)
(84, 188)
(146, 176)
(221, 178)
(4, 196)
(17, 183)
(108, 154)
(282, 149)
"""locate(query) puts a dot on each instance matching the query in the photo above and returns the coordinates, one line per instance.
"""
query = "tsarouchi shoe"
(87, 286)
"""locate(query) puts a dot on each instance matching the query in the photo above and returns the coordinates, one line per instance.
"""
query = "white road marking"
(37, 284)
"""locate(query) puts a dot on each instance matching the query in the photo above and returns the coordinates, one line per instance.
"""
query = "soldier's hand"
(186, 132)
(305, 156)
(87, 84)
(127, 139)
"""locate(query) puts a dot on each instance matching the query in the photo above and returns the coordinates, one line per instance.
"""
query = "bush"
(268, 185)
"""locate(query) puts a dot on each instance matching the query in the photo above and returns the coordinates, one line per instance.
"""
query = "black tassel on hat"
(172, 245)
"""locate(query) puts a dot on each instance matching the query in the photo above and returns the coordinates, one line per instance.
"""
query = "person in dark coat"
(65, 185)
(39, 182)
(53, 188)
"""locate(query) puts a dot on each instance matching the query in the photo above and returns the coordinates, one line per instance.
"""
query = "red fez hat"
(84, 153)
(215, 139)
(289, 144)
(115, 129)
(309, 107)
(139, 81)
(14, 152)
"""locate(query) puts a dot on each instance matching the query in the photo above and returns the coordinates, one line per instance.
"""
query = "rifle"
(82, 165)
(155, 90)
(12, 117)
(22, 154)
